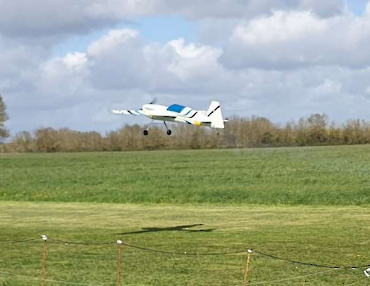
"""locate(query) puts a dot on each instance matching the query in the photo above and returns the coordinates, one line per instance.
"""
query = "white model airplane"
(178, 113)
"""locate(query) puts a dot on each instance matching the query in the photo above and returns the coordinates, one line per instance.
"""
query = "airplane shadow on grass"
(174, 228)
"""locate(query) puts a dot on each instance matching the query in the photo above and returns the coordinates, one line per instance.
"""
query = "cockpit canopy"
(176, 108)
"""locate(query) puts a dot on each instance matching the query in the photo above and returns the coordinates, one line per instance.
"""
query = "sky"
(68, 63)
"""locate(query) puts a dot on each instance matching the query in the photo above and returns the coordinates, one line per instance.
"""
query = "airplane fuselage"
(176, 113)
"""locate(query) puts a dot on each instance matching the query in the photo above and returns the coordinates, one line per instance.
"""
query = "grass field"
(325, 235)
(305, 204)
(288, 176)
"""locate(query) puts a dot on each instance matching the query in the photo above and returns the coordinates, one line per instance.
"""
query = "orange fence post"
(247, 267)
(43, 263)
(119, 243)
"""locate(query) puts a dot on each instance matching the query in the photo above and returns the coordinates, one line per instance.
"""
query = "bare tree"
(317, 128)
(23, 142)
(47, 140)
(3, 117)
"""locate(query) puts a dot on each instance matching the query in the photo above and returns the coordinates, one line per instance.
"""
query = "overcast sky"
(66, 63)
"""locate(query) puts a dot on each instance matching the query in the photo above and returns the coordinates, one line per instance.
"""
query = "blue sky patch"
(164, 29)
(357, 7)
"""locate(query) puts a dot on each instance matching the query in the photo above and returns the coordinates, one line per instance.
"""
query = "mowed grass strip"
(335, 236)
(288, 176)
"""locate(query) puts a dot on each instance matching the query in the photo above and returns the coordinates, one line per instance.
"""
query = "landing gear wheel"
(146, 132)
(169, 132)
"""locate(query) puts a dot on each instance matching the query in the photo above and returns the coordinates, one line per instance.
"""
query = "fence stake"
(43, 264)
(245, 280)
(119, 243)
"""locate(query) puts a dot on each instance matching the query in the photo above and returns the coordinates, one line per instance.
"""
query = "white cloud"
(133, 64)
(19, 64)
(46, 18)
(64, 77)
(298, 39)
(367, 11)
(194, 9)
(117, 61)
(328, 87)
(114, 39)
(192, 62)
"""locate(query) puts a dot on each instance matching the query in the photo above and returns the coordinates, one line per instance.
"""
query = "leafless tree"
(4, 133)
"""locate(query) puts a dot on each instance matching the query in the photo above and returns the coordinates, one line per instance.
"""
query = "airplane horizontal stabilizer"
(126, 112)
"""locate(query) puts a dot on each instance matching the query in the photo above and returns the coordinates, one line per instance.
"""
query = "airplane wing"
(127, 112)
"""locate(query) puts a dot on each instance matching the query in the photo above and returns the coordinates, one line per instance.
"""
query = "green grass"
(288, 176)
(306, 204)
(325, 235)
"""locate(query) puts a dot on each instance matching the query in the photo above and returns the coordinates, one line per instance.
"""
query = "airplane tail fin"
(215, 114)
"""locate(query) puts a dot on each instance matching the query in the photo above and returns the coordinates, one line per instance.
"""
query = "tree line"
(240, 132)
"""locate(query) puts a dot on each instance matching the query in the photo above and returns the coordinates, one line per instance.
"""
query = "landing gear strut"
(146, 131)
(169, 132)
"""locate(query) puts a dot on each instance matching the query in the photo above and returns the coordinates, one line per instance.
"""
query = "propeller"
(154, 101)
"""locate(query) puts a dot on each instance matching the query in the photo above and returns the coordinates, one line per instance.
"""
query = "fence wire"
(330, 268)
